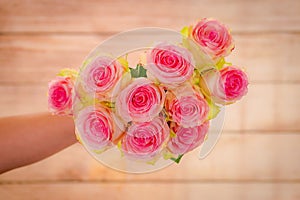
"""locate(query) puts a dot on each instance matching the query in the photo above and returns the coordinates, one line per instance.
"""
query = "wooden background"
(258, 155)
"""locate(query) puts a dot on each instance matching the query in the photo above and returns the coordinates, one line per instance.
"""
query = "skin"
(29, 138)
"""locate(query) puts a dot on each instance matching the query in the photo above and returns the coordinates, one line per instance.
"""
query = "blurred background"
(258, 154)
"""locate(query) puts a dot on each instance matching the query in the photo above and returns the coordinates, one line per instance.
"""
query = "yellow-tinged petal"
(167, 155)
(89, 101)
(108, 104)
(172, 134)
(99, 151)
(220, 64)
(119, 145)
(78, 138)
(196, 77)
(213, 110)
(152, 161)
(72, 73)
(185, 31)
(205, 137)
(124, 63)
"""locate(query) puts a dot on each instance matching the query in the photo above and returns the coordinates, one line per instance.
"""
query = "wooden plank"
(23, 99)
(147, 191)
(37, 58)
(236, 157)
(115, 16)
(34, 59)
(271, 107)
(268, 57)
(267, 107)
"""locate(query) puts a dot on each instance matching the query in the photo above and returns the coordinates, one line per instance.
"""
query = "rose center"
(59, 96)
(143, 98)
(102, 75)
(212, 35)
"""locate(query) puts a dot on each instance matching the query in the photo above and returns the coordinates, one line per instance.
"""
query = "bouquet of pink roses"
(158, 107)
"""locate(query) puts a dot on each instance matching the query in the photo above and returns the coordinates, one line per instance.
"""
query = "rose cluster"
(161, 107)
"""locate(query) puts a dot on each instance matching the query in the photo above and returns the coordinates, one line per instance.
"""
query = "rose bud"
(225, 86)
(101, 75)
(214, 38)
(60, 96)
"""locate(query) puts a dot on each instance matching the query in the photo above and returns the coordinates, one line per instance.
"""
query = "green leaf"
(139, 71)
(213, 110)
(177, 160)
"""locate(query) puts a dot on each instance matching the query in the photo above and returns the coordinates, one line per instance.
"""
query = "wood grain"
(236, 157)
(115, 16)
(132, 191)
(257, 156)
(37, 58)
(272, 107)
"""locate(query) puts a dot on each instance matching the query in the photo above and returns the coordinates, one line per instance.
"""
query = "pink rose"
(170, 64)
(101, 75)
(140, 101)
(145, 140)
(96, 127)
(186, 139)
(227, 85)
(186, 107)
(213, 37)
(60, 96)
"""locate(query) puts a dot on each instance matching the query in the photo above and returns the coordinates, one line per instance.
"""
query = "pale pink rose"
(101, 74)
(170, 64)
(213, 37)
(60, 96)
(227, 85)
(96, 127)
(186, 139)
(145, 140)
(186, 107)
(140, 101)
